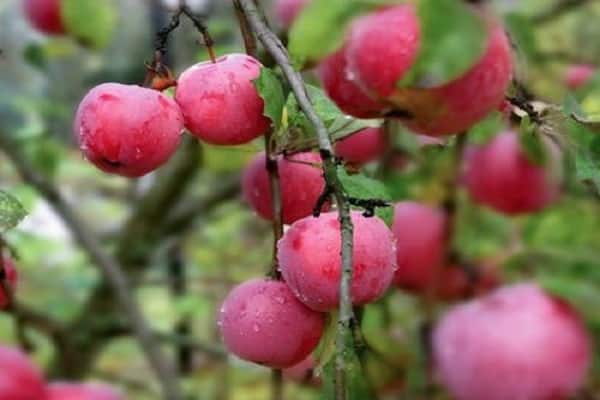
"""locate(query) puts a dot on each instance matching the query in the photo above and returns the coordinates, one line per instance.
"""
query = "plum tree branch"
(109, 267)
(278, 51)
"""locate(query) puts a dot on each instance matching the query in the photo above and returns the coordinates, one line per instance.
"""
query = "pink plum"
(45, 15)
(301, 185)
(500, 175)
(343, 90)
(20, 378)
(420, 232)
(262, 321)
(309, 257)
(515, 343)
(362, 147)
(382, 47)
(287, 11)
(127, 130)
(219, 101)
(579, 75)
(458, 105)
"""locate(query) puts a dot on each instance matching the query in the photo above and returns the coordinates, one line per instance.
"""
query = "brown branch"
(109, 267)
(278, 51)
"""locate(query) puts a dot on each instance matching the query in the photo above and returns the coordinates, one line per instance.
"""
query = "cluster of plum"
(132, 130)
(516, 342)
(21, 379)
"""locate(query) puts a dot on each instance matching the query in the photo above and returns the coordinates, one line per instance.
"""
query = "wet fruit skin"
(76, 391)
(127, 130)
(309, 258)
(44, 15)
(362, 147)
(219, 101)
(420, 232)
(382, 47)
(516, 343)
(458, 105)
(345, 92)
(11, 278)
(287, 11)
(262, 321)
(301, 185)
(500, 175)
(20, 378)
(579, 75)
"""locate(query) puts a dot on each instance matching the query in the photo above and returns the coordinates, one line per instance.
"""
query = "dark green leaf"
(300, 134)
(453, 38)
(362, 187)
(271, 91)
(11, 211)
(91, 22)
(486, 129)
(531, 143)
(35, 55)
(587, 164)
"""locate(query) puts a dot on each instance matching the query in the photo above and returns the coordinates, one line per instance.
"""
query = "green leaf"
(35, 55)
(522, 33)
(571, 106)
(453, 38)
(321, 27)
(91, 22)
(362, 187)
(325, 108)
(531, 142)
(300, 134)
(587, 164)
(11, 211)
(486, 129)
(271, 91)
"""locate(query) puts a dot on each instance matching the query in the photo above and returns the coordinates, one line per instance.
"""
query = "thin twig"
(247, 35)
(197, 21)
(278, 51)
(110, 268)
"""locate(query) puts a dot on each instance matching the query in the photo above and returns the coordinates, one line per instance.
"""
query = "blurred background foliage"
(41, 81)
